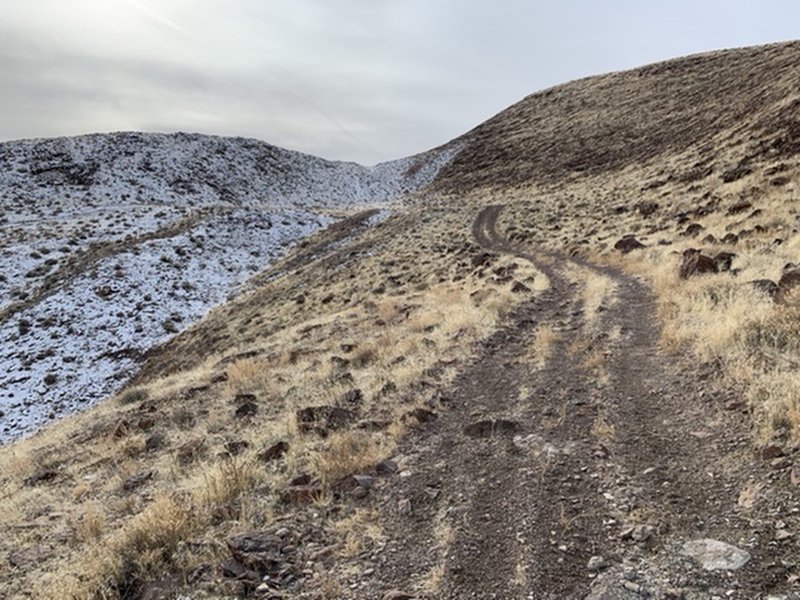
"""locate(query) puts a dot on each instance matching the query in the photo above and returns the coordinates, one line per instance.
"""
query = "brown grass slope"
(606, 123)
(138, 495)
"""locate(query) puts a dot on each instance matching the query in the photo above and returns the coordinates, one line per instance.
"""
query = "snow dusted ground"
(193, 217)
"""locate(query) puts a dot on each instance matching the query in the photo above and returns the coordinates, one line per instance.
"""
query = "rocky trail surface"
(607, 471)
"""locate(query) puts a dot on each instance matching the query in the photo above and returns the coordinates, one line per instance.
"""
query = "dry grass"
(542, 347)
(383, 345)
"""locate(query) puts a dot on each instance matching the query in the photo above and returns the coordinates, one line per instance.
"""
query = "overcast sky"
(363, 80)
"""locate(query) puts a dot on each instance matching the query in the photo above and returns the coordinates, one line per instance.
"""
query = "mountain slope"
(743, 100)
(111, 244)
(518, 382)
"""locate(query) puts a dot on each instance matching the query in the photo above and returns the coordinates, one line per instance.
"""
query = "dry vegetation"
(153, 481)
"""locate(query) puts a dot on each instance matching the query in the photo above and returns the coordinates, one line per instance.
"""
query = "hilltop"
(554, 358)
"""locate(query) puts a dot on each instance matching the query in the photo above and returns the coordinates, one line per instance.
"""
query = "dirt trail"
(83, 261)
(610, 449)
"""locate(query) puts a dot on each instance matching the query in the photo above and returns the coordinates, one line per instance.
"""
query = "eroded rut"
(584, 476)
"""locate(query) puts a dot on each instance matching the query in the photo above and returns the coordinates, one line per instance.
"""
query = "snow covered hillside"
(110, 244)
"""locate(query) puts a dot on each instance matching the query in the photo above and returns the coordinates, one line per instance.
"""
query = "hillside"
(554, 358)
(112, 244)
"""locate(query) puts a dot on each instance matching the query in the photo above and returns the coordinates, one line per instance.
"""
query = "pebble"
(597, 563)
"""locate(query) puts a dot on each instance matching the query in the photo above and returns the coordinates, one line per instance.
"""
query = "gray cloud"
(353, 80)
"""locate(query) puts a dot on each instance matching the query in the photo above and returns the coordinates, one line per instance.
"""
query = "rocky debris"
(714, 555)
(491, 427)
(323, 419)
(628, 243)
(268, 560)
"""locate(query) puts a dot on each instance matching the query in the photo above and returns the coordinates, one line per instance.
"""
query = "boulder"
(766, 286)
(696, 263)
(787, 284)
(628, 243)
(724, 261)
(714, 555)
(321, 419)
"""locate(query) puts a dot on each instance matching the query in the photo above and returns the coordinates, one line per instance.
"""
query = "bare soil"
(528, 473)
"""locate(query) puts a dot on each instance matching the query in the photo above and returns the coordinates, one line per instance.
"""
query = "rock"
(491, 427)
(647, 208)
(155, 442)
(422, 415)
(219, 377)
(41, 476)
(364, 481)
(236, 447)
(397, 595)
(246, 409)
(257, 550)
(628, 243)
(739, 207)
(354, 396)
(386, 467)
(695, 263)
(303, 494)
(321, 419)
(730, 238)
(137, 480)
(642, 533)
(482, 260)
(190, 451)
(692, 230)
(519, 288)
(765, 286)
(274, 452)
(780, 463)
(794, 476)
(788, 282)
(714, 555)
(771, 451)
(724, 261)
(597, 563)
(783, 534)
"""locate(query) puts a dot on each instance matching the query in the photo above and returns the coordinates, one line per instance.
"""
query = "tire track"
(526, 507)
